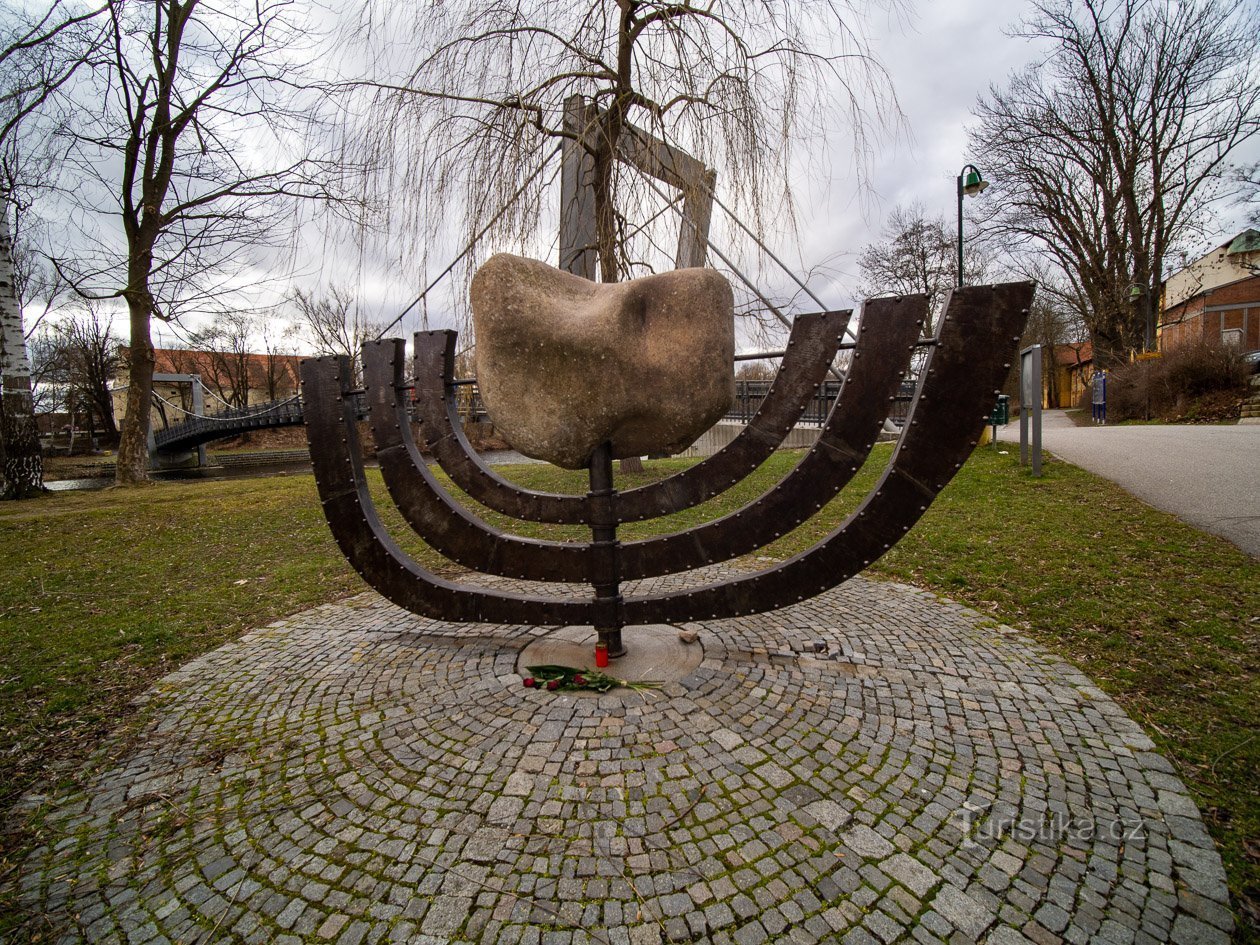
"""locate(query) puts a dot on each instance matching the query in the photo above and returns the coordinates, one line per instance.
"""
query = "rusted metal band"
(977, 340)
(810, 350)
(427, 507)
(338, 462)
(888, 330)
(443, 434)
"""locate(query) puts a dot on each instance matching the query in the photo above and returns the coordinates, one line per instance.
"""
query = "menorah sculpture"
(977, 336)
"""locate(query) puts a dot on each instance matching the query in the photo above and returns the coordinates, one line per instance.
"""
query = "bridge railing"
(749, 395)
(195, 429)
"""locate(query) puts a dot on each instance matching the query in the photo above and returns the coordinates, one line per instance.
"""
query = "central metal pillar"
(605, 549)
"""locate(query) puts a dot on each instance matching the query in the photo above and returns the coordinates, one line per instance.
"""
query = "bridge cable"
(769, 252)
(743, 278)
(476, 239)
(226, 417)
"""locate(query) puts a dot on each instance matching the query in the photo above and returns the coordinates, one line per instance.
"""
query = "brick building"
(1215, 298)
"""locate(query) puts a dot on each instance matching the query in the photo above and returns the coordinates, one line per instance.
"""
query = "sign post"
(1030, 407)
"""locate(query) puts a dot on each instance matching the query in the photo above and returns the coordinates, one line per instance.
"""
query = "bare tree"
(79, 356)
(21, 462)
(40, 54)
(47, 389)
(755, 371)
(277, 367)
(1248, 179)
(222, 354)
(1111, 148)
(154, 135)
(477, 111)
(334, 323)
(917, 254)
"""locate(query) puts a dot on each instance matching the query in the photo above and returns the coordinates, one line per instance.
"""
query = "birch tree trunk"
(21, 463)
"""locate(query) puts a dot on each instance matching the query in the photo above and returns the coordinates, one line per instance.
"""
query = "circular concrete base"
(873, 765)
(654, 653)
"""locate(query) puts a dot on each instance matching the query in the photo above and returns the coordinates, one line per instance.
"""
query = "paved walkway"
(1206, 475)
(874, 765)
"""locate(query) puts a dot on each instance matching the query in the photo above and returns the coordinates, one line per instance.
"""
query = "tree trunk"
(605, 214)
(133, 441)
(72, 408)
(21, 462)
(104, 409)
(1109, 348)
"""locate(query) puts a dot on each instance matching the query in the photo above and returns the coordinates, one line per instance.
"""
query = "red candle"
(601, 654)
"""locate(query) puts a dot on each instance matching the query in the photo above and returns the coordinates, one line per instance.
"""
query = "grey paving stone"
(1005, 935)
(356, 774)
(866, 842)
(828, 813)
(961, 911)
(910, 873)
(1188, 930)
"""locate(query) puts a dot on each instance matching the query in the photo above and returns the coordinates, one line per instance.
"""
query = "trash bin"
(1001, 415)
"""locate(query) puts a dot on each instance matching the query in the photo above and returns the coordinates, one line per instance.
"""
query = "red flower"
(579, 680)
(553, 684)
(529, 682)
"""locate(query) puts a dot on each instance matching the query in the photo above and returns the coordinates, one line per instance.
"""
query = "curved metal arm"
(885, 338)
(429, 509)
(811, 348)
(978, 336)
(338, 462)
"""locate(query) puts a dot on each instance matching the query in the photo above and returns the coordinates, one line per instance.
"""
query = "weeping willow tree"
(474, 107)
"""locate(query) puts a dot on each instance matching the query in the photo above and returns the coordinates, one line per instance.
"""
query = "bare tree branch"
(1112, 149)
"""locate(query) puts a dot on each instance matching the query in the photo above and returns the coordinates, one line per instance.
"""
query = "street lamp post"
(970, 182)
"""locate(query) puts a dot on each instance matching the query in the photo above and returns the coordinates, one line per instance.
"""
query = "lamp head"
(973, 183)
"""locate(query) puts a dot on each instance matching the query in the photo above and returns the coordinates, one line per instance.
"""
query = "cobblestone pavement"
(874, 765)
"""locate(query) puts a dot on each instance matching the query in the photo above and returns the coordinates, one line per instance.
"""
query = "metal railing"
(195, 430)
(750, 394)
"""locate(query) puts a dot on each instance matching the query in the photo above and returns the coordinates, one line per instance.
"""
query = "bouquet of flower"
(568, 679)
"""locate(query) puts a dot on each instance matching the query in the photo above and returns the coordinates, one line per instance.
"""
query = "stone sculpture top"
(565, 364)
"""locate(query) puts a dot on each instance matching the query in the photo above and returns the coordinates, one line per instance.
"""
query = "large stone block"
(565, 364)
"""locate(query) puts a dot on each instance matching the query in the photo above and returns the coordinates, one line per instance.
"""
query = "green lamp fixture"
(970, 183)
(973, 183)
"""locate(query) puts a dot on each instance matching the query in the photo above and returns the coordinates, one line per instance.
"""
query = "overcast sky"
(940, 58)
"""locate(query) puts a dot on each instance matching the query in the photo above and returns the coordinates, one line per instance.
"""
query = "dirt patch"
(1218, 406)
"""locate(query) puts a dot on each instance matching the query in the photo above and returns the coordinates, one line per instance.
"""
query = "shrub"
(1166, 386)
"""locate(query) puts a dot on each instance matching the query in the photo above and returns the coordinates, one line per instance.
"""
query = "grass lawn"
(105, 591)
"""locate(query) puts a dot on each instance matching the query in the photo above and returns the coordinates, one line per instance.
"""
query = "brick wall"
(1206, 316)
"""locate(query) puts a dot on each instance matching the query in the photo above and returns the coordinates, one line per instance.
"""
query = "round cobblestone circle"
(873, 765)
